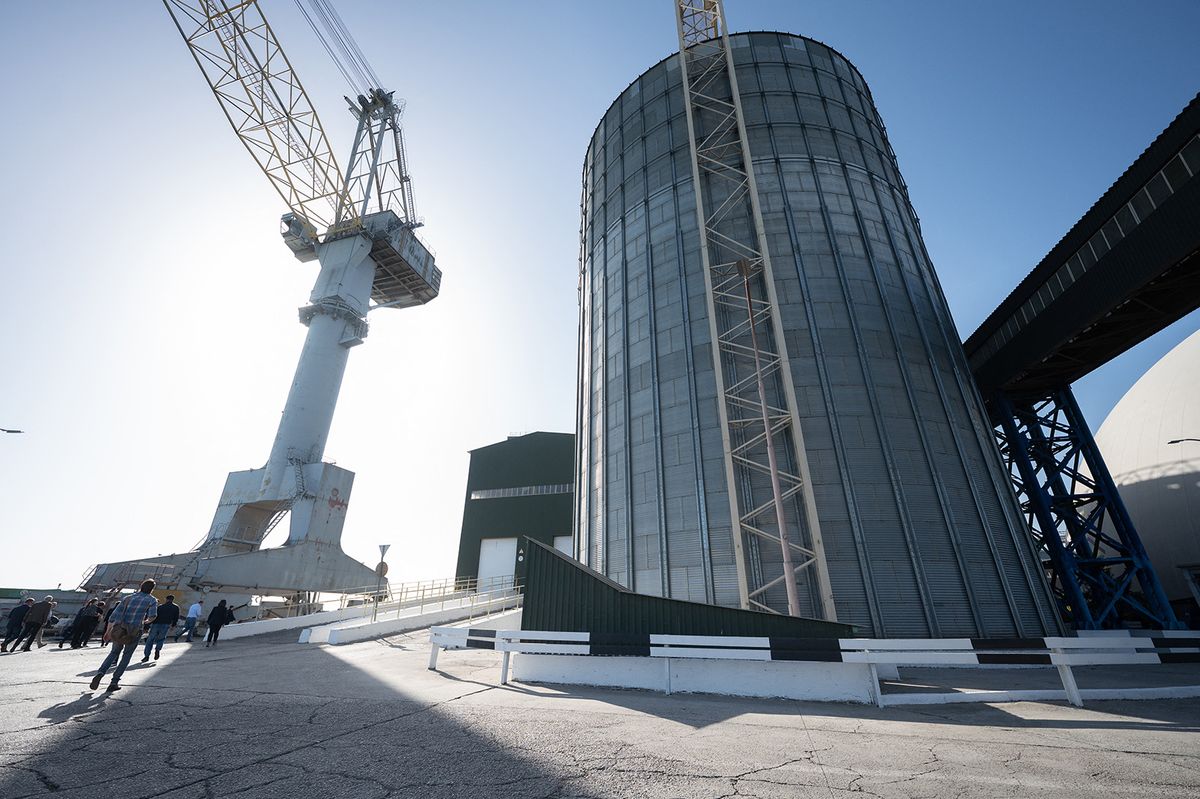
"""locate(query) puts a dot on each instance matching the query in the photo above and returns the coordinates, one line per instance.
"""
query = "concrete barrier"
(840, 682)
(504, 620)
(248, 628)
(832, 669)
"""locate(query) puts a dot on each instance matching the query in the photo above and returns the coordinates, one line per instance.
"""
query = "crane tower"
(359, 226)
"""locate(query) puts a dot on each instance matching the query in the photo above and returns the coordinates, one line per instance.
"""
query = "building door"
(565, 544)
(497, 560)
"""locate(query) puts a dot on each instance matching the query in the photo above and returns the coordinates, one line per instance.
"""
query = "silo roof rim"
(628, 86)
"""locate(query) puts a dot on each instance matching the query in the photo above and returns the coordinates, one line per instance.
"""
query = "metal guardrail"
(375, 599)
(409, 616)
(1158, 647)
(420, 589)
(473, 599)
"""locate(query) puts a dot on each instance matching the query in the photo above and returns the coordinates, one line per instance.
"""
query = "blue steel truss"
(1094, 559)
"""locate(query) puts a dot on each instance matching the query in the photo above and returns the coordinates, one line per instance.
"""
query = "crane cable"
(352, 63)
(332, 13)
(345, 42)
(332, 56)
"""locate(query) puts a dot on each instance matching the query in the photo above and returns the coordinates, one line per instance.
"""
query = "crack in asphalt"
(534, 748)
(340, 734)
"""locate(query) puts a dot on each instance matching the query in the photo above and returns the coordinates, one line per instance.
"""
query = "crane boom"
(264, 101)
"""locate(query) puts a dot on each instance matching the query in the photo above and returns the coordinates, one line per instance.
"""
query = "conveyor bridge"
(1127, 269)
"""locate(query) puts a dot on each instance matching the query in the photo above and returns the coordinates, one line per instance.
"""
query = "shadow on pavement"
(701, 710)
(88, 702)
(259, 718)
(266, 717)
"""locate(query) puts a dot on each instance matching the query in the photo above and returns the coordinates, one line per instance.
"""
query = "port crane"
(359, 225)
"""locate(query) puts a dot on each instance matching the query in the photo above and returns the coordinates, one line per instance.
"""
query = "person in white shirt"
(193, 618)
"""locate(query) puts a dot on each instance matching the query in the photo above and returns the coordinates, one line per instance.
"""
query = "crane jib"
(270, 112)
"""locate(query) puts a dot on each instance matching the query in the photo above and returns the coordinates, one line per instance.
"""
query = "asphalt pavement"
(266, 717)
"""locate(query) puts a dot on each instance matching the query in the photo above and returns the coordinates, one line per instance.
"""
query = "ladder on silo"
(744, 322)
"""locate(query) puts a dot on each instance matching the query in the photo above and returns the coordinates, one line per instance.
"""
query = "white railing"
(436, 600)
(1150, 648)
(415, 615)
(420, 590)
(375, 599)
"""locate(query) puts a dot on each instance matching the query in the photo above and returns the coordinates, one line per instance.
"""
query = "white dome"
(1160, 482)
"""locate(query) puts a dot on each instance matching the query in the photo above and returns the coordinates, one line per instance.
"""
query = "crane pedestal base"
(291, 568)
(310, 560)
(302, 567)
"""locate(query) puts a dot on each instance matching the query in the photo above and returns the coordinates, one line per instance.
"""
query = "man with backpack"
(124, 629)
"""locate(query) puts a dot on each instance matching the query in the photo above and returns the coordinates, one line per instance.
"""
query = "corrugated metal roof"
(1152, 159)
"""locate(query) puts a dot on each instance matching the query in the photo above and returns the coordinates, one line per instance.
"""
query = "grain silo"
(891, 480)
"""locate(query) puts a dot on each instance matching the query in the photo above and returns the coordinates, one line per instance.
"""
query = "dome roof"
(1160, 482)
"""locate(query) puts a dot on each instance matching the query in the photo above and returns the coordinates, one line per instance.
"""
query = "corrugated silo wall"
(921, 533)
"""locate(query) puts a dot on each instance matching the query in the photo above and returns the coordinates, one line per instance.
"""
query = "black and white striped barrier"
(1150, 647)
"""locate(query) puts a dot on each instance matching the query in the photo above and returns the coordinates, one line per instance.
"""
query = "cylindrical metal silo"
(921, 535)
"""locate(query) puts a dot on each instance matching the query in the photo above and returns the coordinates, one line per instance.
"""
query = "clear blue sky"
(149, 332)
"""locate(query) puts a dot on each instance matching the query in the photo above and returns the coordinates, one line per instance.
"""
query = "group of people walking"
(124, 623)
(80, 630)
(142, 611)
(25, 623)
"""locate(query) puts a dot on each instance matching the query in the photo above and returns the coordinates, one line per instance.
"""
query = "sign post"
(380, 572)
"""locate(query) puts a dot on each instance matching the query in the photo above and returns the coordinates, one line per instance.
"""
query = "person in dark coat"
(16, 623)
(35, 619)
(87, 625)
(71, 631)
(217, 618)
(168, 617)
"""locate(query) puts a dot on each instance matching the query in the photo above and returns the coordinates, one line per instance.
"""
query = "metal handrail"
(422, 589)
(375, 599)
(439, 602)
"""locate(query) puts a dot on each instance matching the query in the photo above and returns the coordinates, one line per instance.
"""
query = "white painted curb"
(828, 682)
(248, 628)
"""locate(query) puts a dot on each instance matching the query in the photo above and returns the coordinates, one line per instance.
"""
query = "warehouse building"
(522, 486)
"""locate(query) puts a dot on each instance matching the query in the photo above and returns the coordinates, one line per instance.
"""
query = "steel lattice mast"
(263, 99)
(759, 424)
(261, 95)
